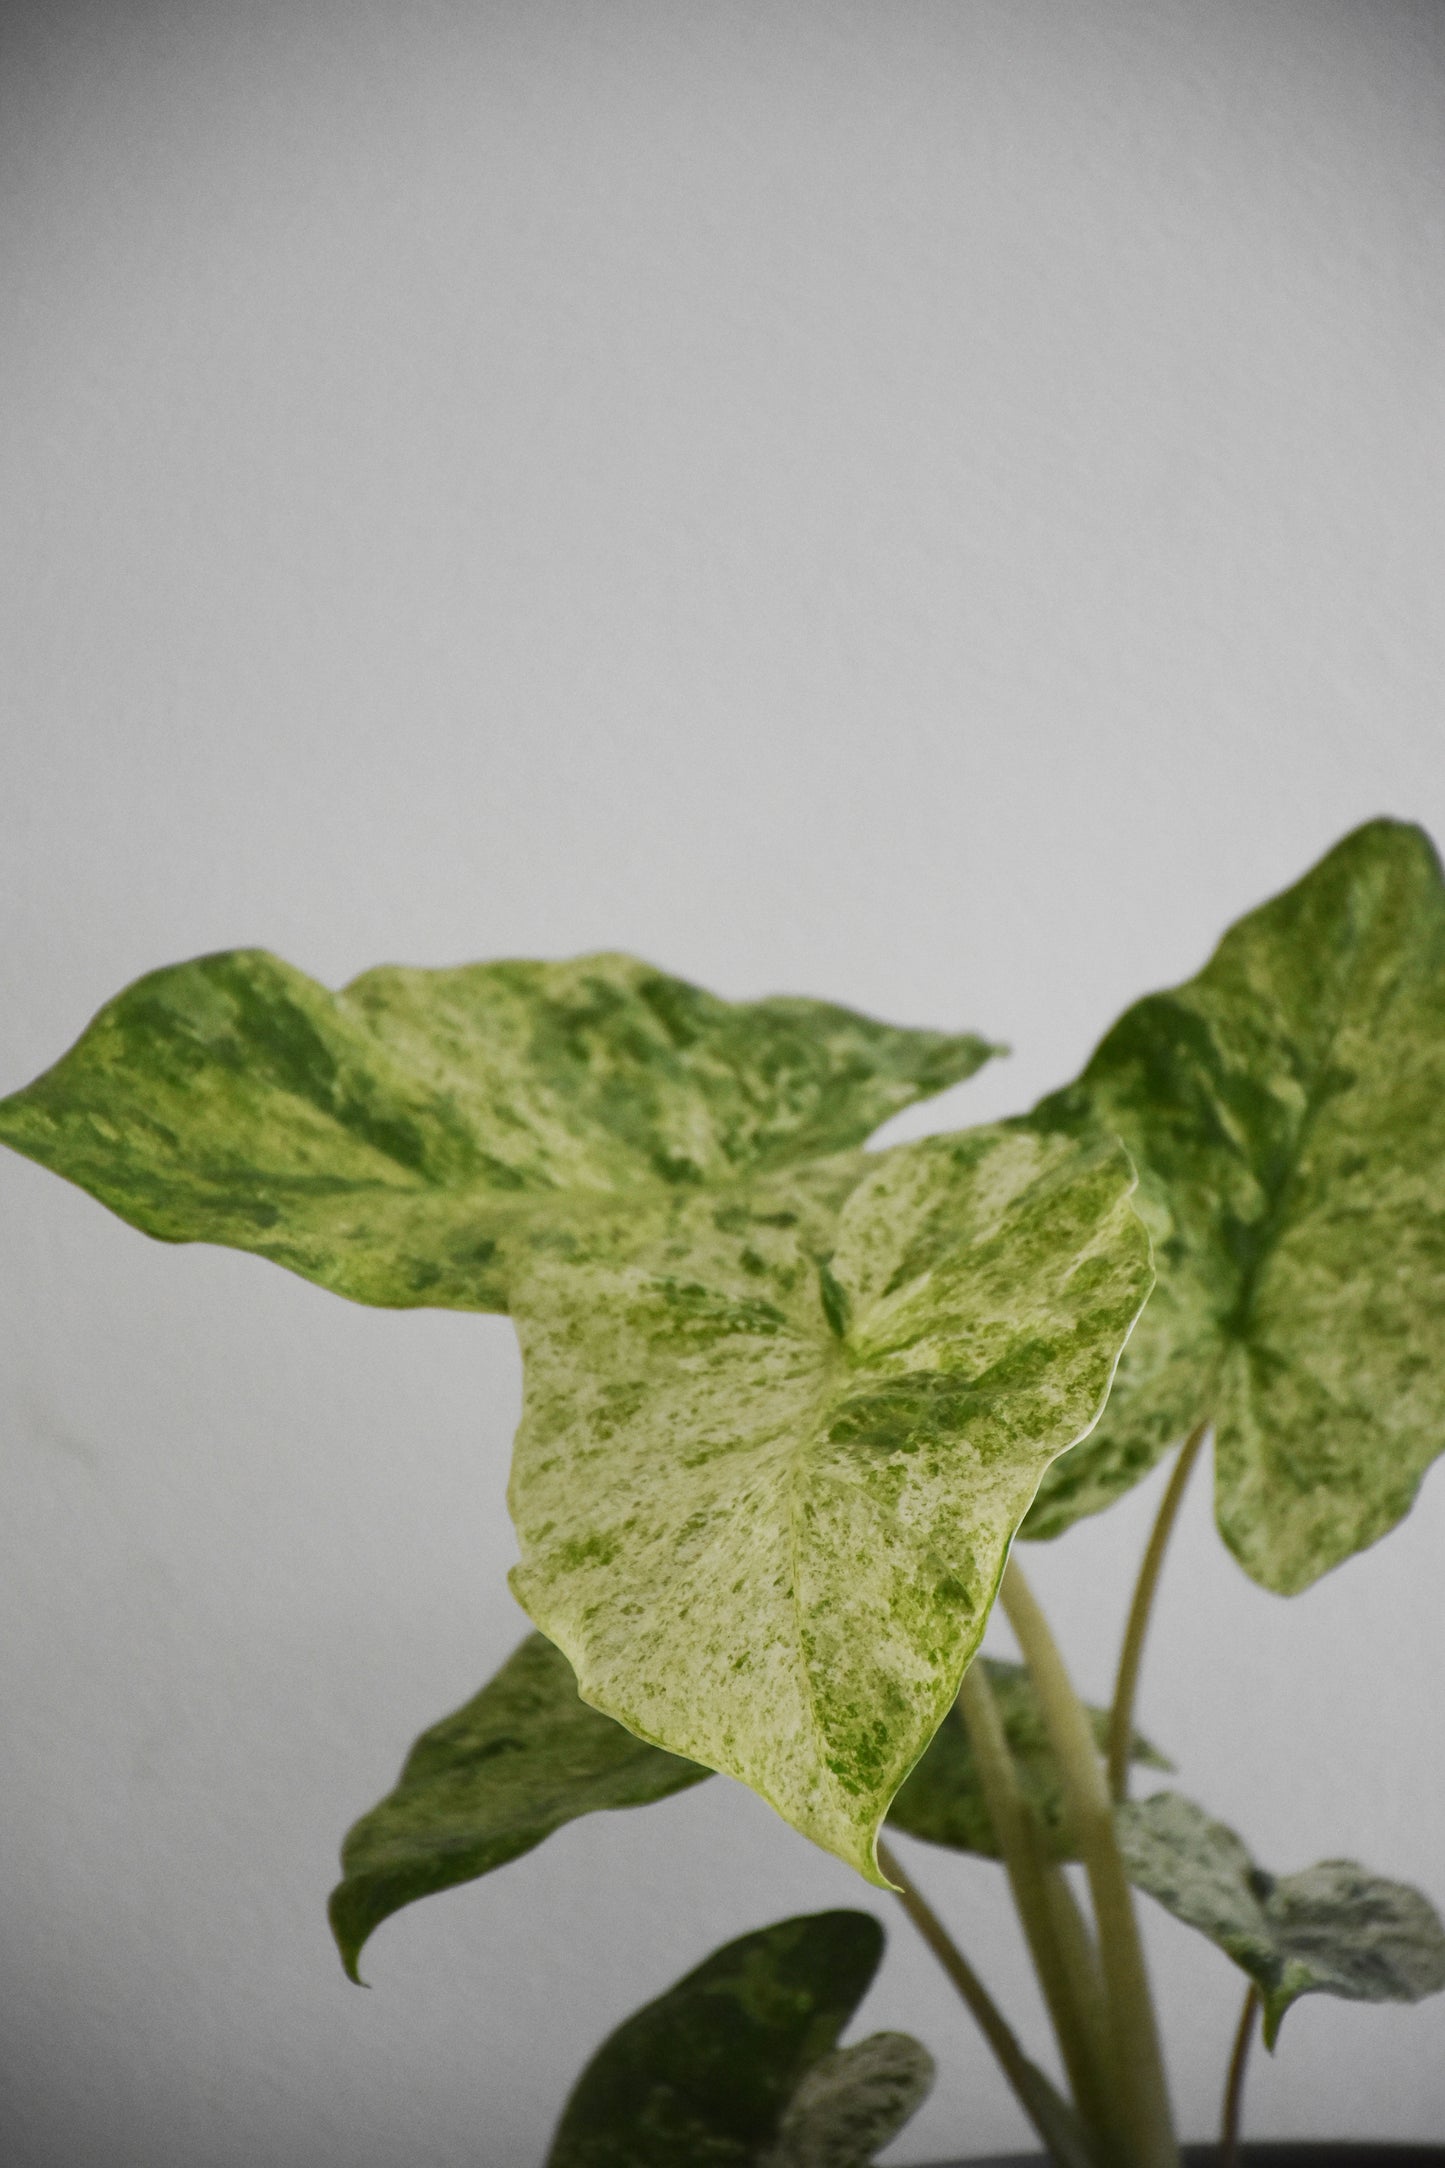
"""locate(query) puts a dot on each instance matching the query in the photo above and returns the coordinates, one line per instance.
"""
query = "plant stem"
(1079, 1951)
(1234, 2085)
(1138, 2065)
(990, 2019)
(1058, 1937)
(1045, 2109)
(1121, 1716)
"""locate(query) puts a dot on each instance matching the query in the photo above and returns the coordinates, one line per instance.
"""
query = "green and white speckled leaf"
(770, 1465)
(486, 1784)
(703, 2077)
(1286, 1110)
(942, 1799)
(400, 1141)
(853, 2103)
(1333, 1929)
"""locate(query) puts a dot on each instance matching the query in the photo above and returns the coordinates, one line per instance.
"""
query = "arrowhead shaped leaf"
(942, 1799)
(485, 1785)
(1333, 1929)
(853, 2103)
(400, 1140)
(765, 1493)
(1286, 1110)
(705, 2074)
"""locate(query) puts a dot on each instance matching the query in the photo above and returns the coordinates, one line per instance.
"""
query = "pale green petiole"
(1234, 2083)
(1126, 1684)
(1050, 2114)
(1059, 1938)
(1140, 2090)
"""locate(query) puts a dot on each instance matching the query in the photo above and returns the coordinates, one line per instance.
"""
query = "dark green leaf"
(1333, 1929)
(942, 1801)
(1286, 1110)
(523, 1757)
(703, 2077)
(401, 1141)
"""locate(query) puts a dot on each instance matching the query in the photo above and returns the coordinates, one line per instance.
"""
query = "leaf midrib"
(835, 1364)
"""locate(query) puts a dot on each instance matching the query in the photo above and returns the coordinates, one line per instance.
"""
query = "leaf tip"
(873, 1869)
(349, 1944)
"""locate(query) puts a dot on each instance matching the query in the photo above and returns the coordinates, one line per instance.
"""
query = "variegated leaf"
(852, 2103)
(1333, 1929)
(1286, 1110)
(770, 1465)
(702, 2078)
(486, 1784)
(400, 1141)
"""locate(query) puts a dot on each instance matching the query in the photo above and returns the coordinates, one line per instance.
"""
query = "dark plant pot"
(1287, 2153)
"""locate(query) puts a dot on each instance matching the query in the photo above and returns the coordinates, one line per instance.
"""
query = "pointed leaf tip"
(485, 1785)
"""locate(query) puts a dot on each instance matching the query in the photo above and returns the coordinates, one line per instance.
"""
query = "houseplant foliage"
(789, 1404)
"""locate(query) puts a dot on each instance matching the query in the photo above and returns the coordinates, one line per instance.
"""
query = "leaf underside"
(771, 1462)
(404, 1140)
(1286, 1110)
(704, 2077)
(1333, 1929)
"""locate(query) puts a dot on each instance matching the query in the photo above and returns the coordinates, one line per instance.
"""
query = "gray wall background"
(937, 506)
